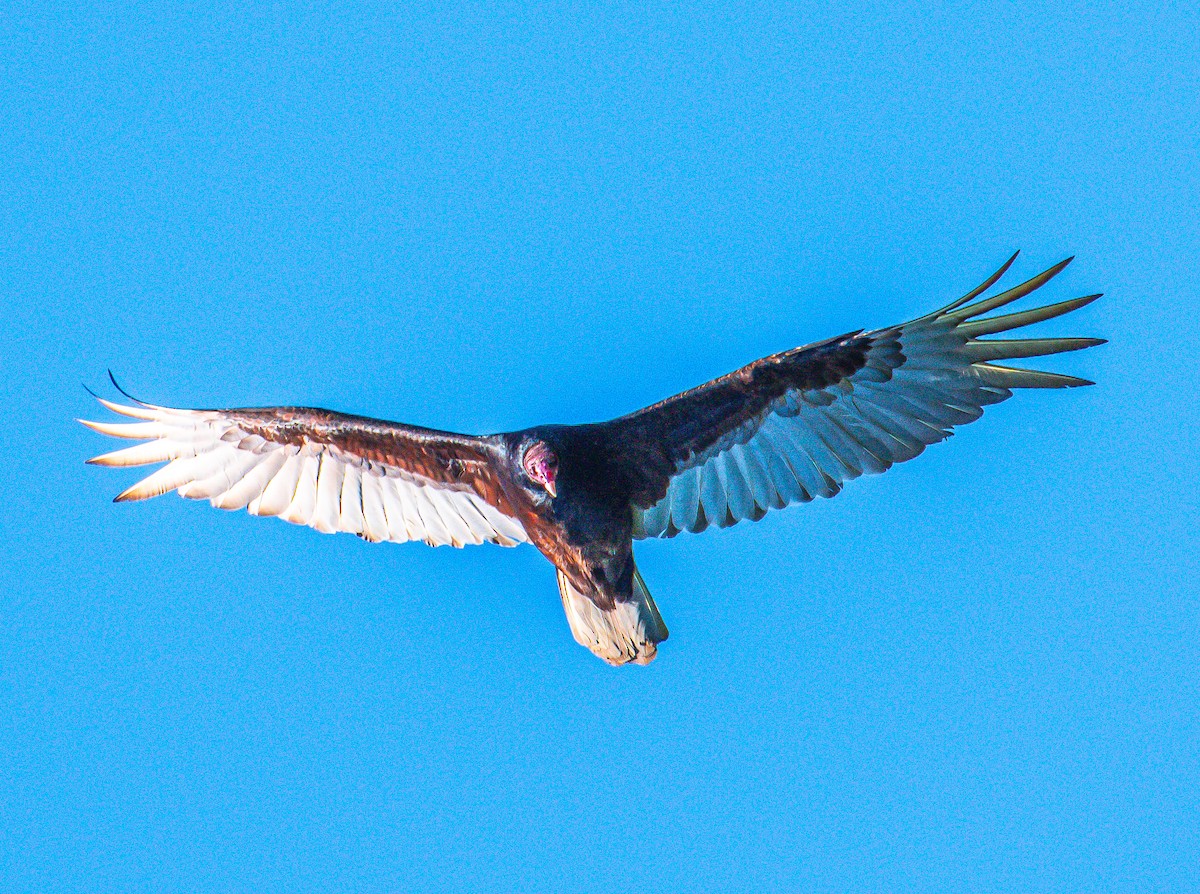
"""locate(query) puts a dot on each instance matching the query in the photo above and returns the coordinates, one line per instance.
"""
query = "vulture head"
(541, 466)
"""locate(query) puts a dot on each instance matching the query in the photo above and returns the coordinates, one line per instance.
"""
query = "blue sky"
(977, 672)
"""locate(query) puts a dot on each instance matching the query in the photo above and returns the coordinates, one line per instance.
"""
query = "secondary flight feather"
(781, 430)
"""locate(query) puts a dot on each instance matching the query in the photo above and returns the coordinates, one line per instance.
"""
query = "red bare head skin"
(541, 465)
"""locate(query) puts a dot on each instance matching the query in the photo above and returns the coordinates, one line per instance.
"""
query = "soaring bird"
(781, 430)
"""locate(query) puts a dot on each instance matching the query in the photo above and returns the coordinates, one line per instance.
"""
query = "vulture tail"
(629, 631)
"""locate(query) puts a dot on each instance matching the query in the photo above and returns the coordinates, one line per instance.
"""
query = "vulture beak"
(541, 466)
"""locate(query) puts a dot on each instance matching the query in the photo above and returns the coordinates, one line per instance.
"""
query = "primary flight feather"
(781, 430)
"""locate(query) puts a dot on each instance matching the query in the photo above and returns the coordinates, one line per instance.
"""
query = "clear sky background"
(976, 673)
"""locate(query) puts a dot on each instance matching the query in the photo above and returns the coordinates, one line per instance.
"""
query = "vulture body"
(781, 430)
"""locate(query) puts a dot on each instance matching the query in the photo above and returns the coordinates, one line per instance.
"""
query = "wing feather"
(351, 500)
(798, 424)
(393, 511)
(235, 465)
(278, 493)
(375, 523)
(327, 511)
(304, 499)
(330, 471)
(253, 484)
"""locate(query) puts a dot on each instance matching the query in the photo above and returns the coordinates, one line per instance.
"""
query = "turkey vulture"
(781, 430)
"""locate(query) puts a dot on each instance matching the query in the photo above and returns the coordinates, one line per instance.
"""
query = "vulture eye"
(541, 465)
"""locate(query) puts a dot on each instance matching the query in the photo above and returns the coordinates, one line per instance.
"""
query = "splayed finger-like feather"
(1007, 377)
(145, 454)
(990, 325)
(981, 288)
(1010, 349)
(137, 431)
(1013, 294)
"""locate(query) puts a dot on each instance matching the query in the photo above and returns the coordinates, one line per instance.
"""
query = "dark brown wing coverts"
(658, 439)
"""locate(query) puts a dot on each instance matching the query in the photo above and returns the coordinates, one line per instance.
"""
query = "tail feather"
(628, 632)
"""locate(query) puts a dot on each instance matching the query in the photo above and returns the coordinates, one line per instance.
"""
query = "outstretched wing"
(795, 425)
(330, 471)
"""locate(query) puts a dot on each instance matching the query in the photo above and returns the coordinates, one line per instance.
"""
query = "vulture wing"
(795, 425)
(330, 471)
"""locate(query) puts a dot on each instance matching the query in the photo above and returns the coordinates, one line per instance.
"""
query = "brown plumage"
(783, 429)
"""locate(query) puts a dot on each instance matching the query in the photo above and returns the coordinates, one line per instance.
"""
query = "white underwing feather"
(327, 510)
(351, 500)
(233, 467)
(375, 525)
(282, 487)
(253, 484)
(304, 500)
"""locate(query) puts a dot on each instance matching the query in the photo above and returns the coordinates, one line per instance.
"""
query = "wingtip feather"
(980, 350)
(1013, 377)
(982, 287)
(117, 385)
(122, 410)
(990, 325)
(1016, 293)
